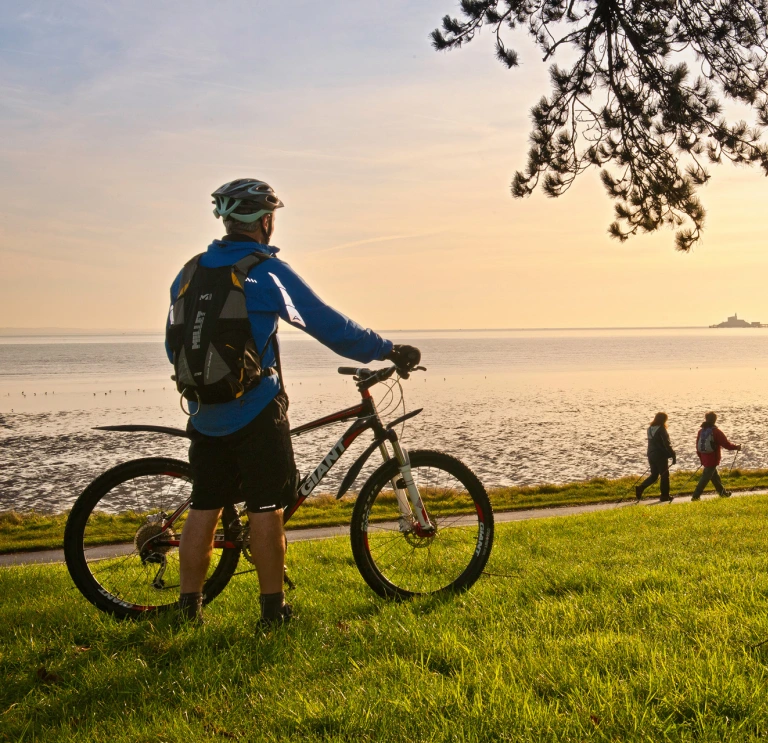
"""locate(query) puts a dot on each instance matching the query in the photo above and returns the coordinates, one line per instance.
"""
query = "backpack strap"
(187, 273)
(239, 274)
(273, 339)
(244, 265)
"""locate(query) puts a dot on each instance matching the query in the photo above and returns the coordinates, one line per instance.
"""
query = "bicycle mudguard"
(147, 429)
(404, 418)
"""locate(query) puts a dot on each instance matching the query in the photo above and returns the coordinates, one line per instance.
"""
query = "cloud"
(373, 240)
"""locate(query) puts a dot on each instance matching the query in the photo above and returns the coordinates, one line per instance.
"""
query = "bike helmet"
(245, 199)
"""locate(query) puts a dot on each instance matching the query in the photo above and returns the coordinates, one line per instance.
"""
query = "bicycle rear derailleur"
(151, 550)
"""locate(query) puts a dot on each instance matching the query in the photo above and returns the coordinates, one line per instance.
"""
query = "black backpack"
(215, 358)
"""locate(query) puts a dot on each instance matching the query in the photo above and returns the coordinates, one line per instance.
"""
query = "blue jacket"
(273, 290)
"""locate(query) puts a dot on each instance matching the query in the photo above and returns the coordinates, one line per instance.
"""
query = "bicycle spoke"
(423, 562)
(394, 542)
(127, 509)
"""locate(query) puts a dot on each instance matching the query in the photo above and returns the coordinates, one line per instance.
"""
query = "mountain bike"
(421, 523)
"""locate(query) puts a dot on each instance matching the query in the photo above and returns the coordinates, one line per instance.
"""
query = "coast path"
(304, 535)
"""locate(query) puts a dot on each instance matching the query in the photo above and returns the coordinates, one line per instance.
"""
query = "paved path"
(328, 532)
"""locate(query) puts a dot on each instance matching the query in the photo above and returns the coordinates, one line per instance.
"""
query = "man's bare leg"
(268, 549)
(196, 548)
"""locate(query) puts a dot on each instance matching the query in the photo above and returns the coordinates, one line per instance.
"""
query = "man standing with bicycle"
(222, 339)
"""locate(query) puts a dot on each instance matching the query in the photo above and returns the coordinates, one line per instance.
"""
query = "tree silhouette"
(629, 104)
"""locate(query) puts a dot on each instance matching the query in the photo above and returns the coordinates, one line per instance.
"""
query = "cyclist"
(709, 443)
(241, 449)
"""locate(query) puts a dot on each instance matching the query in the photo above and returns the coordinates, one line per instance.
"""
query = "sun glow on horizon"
(394, 163)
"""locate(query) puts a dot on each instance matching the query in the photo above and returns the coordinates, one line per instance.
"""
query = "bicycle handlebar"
(369, 377)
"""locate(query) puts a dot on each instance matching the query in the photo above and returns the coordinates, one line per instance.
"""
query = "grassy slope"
(631, 625)
(34, 531)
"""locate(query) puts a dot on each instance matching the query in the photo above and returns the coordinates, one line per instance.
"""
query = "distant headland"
(734, 322)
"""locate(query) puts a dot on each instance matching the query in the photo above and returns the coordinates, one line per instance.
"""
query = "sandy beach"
(524, 408)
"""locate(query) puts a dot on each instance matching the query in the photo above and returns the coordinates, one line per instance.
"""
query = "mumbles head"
(441, 458)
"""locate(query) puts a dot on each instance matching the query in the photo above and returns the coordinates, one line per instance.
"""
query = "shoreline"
(56, 556)
(32, 531)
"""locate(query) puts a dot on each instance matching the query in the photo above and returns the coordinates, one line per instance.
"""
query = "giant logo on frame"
(330, 459)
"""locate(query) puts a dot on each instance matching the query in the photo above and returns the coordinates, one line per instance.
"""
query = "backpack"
(706, 443)
(215, 358)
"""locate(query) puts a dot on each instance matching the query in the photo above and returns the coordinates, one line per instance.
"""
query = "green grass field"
(23, 532)
(642, 624)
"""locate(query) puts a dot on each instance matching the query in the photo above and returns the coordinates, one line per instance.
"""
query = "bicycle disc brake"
(419, 540)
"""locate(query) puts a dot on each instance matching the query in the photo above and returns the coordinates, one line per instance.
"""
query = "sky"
(117, 121)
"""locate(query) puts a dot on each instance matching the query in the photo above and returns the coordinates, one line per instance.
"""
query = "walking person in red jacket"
(709, 443)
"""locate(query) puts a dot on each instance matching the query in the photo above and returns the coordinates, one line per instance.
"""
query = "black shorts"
(254, 464)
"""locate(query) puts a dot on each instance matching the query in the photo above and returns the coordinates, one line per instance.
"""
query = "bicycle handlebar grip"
(348, 370)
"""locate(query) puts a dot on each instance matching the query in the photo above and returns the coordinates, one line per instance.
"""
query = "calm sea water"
(520, 407)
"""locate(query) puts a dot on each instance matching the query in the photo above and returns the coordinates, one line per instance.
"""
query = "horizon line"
(49, 330)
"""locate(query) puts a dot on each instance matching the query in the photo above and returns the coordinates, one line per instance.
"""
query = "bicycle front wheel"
(394, 558)
(120, 549)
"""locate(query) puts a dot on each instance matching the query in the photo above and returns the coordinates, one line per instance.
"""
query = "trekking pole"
(730, 469)
(634, 484)
(733, 462)
(641, 478)
(692, 476)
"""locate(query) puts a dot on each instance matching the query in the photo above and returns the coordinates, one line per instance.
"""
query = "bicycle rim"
(120, 549)
(397, 560)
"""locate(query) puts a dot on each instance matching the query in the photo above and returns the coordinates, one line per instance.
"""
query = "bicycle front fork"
(412, 511)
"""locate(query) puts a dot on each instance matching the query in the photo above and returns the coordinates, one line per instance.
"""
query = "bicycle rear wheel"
(117, 547)
(398, 562)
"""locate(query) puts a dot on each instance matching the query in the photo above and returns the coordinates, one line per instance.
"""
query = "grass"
(633, 625)
(24, 532)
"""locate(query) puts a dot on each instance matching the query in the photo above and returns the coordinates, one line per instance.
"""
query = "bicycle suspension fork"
(409, 501)
(412, 511)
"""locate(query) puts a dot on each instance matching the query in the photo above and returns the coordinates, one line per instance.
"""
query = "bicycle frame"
(367, 417)
(412, 511)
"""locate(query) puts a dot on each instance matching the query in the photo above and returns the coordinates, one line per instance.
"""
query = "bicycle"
(422, 522)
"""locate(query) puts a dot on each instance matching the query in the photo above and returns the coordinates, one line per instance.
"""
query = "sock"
(191, 605)
(272, 605)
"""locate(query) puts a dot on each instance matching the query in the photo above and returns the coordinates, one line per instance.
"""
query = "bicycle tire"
(99, 578)
(464, 512)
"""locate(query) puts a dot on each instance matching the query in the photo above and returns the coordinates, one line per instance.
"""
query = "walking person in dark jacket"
(659, 452)
(709, 443)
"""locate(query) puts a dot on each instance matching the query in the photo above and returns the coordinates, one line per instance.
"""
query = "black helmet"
(245, 199)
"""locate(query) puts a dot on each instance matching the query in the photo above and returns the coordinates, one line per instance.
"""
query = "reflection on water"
(518, 407)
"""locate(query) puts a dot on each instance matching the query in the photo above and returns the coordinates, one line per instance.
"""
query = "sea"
(520, 407)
